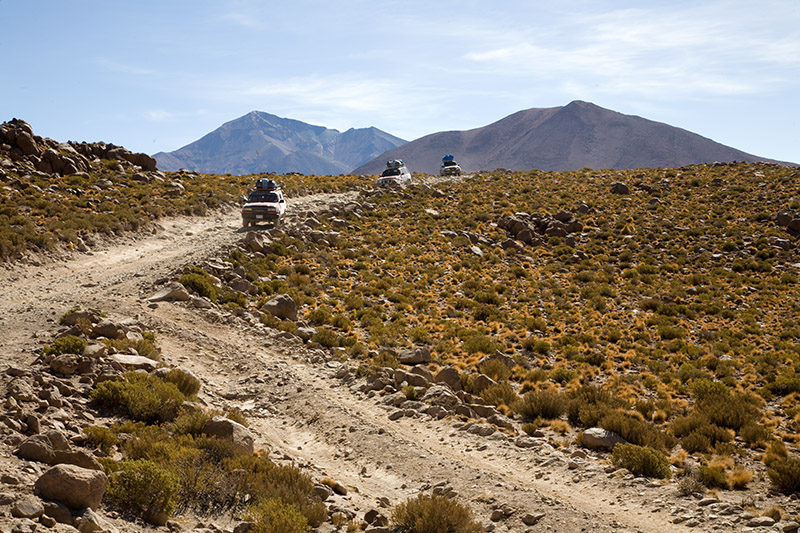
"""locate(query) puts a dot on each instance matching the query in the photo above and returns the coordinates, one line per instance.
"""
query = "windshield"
(448, 163)
(391, 172)
(262, 196)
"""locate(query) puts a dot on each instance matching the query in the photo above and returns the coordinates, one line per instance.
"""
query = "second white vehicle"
(396, 173)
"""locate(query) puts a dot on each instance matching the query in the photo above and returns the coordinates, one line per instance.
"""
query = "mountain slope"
(571, 137)
(261, 142)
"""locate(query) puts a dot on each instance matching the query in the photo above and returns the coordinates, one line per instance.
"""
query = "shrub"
(713, 476)
(199, 283)
(275, 516)
(143, 486)
(100, 437)
(634, 430)
(784, 473)
(66, 344)
(547, 404)
(141, 396)
(434, 514)
(641, 460)
(186, 383)
(500, 394)
(495, 369)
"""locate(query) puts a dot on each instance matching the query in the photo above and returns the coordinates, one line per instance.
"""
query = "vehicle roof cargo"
(448, 158)
(267, 184)
(394, 163)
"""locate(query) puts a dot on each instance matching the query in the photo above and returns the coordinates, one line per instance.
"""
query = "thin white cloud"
(122, 68)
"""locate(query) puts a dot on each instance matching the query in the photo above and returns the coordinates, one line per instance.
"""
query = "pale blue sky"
(156, 75)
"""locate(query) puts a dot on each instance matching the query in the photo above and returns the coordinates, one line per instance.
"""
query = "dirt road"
(301, 412)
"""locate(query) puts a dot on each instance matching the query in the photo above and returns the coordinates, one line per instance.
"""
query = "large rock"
(441, 396)
(231, 431)
(600, 439)
(53, 448)
(449, 376)
(174, 292)
(282, 306)
(73, 486)
(415, 356)
(135, 362)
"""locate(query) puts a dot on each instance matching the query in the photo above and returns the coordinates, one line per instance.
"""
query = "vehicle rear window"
(262, 196)
(391, 172)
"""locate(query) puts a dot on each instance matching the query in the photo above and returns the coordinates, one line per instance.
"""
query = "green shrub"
(495, 369)
(200, 283)
(143, 486)
(186, 383)
(141, 396)
(275, 516)
(547, 404)
(434, 514)
(784, 473)
(100, 437)
(641, 460)
(634, 430)
(66, 344)
(500, 394)
(713, 477)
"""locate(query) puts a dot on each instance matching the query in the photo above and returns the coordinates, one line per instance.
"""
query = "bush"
(274, 516)
(66, 344)
(199, 283)
(186, 383)
(100, 437)
(495, 369)
(634, 430)
(434, 514)
(143, 486)
(641, 460)
(141, 396)
(713, 477)
(500, 394)
(785, 474)
(547, 404)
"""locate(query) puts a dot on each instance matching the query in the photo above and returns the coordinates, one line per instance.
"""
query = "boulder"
(53, 448)
(108, 329)
(27, 508)
(72, 486)
(449, 376)
(441, 396)
(414, 356)
(481, 382)
(620, 188)
(174, 292)
(600, 439)
(230, 431)
(282, 306)
(135, 362)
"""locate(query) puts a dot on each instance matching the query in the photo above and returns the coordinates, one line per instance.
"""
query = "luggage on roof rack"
(394, 163)
(267, 184)
(448, 158)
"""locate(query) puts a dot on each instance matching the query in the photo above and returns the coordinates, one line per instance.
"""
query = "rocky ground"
(307, 407)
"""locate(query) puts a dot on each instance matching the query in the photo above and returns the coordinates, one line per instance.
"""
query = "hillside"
(578, 135)
(260, 142)
(490, 349)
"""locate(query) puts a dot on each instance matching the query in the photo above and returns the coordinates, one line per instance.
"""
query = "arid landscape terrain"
(519, 351)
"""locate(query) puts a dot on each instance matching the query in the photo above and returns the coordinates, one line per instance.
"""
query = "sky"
(156, 75)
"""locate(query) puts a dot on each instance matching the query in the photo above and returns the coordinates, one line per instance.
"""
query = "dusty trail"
(299, 410)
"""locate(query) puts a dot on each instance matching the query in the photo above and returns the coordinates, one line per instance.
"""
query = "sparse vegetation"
(434, 514)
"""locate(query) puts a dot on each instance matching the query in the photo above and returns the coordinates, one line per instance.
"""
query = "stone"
(174, 292)
(599, 438)
(58, 512)
(108, 329)
(134, 362)
(415, 356)
(620, 188)
(27, 508)
(282, 306)
(231, 431)
(531, 519)
(73, 486)
(441, 396)
(482, 382)
(449, 376)
(90, 522)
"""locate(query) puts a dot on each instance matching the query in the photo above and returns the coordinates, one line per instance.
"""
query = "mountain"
(261, 142)
(570, 137)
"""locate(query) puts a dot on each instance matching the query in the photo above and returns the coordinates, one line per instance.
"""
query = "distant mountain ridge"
(571, 137)
(261, 142)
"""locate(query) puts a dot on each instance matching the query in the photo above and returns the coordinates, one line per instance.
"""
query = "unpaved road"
(300, 411)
